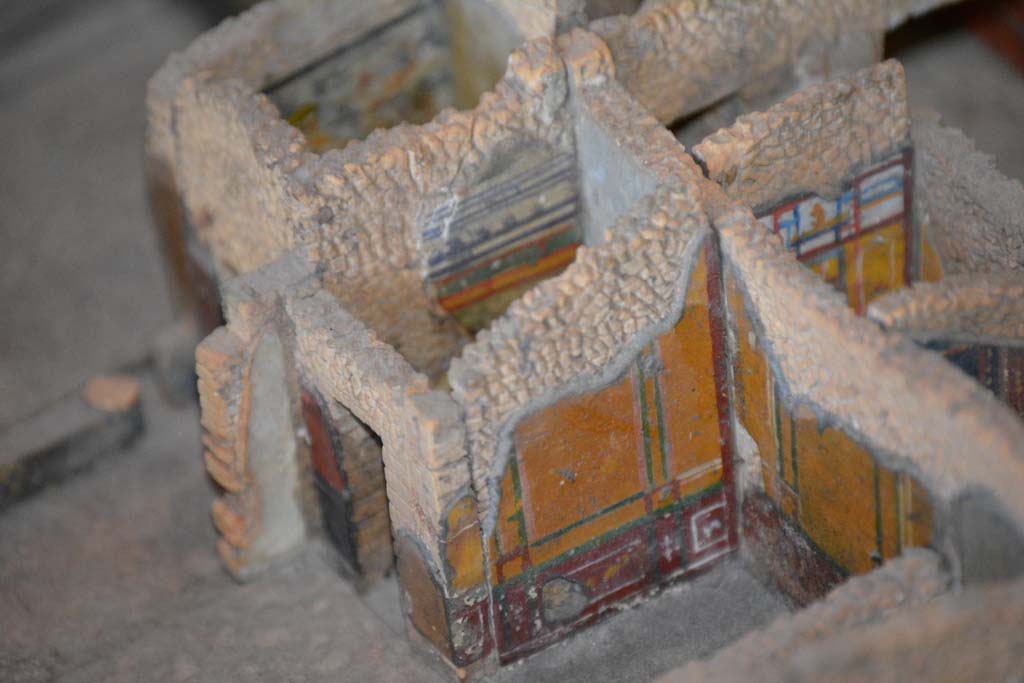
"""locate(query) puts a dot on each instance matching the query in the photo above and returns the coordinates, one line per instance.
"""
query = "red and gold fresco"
(997, 365)
(851, 511)
(612, 492)
(863, 242)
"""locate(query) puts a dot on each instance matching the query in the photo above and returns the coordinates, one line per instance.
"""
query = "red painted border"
(910, 273)
(896, 218)
(720, 360)
(1000, 28)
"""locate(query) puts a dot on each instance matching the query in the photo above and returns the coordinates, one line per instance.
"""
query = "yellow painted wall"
(875, 265)
(852, 509)
(463, 545)
(581, 465)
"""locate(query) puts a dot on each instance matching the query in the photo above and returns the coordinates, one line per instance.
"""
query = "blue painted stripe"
(509, 196)
(461, 265)
(894, 182)
(537, 175)
(457, 247)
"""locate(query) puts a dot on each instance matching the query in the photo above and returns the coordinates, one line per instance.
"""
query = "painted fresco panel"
(578, 460)
(706, 530)
(862, 242)
(599, 526)
(515, 228)
(463, 546)
(851, 513)
(686, 395)
(998, 367)
(615, 491)
(543, 606)
(402, 75)
(348, 477)
(329, 480)
(878, 265)
(840, 498)
(510, 530)
(754, 394)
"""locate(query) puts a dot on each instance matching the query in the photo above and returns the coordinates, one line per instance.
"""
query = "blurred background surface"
(81, 285)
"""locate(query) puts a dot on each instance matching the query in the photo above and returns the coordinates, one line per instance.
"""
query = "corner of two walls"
(256, 48)
(251, 418)
(427, 472)
(970, 211)
(606, 122)
(282, 338)
(433, 515)
(682, 64)
(861, 402)
(445, 458)
(802, 402)
(791, 316)
(611, 178)
(579, 336)
(790, 450)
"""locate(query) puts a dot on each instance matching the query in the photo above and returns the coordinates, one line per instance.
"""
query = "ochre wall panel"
(578, 458)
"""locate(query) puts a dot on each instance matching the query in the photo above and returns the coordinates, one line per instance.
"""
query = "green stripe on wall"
(641, 392)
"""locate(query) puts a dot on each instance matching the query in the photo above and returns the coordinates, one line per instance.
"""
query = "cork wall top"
(982, 306)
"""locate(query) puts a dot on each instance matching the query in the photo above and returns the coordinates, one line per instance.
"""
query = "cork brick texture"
(540, 359)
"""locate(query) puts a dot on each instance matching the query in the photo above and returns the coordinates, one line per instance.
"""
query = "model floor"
(113, 577)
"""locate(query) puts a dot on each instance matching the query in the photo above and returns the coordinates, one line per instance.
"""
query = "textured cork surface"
(811, 142)
(976, 305)
(908, 404)
(896, 624)
(140, 595)
(622, 291)
(679, 56)
(333, 203)
(423, 448)
(973, 212)
(324, 256)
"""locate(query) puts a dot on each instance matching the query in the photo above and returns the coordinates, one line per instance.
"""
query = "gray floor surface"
(82, 288)
(113, 577)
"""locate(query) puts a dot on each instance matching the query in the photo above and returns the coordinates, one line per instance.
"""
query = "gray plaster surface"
(81, 286)
(690, 621)
(114, 577)
(951, 71)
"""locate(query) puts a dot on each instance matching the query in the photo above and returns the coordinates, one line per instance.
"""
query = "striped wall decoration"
(486, 248)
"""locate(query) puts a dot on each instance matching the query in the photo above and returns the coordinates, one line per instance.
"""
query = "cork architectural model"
(546, 305)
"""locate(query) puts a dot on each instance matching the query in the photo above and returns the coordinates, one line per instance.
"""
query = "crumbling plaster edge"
(951, 393)
(240, 45)
(587, 382)
(733, 156)
(402, 387)
(529, 99)
(594, 93)
(642, 48)
(947, 308)
(937, 144)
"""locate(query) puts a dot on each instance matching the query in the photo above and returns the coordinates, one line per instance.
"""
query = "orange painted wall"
(880, 247)
(593, 464)
(855, 511)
